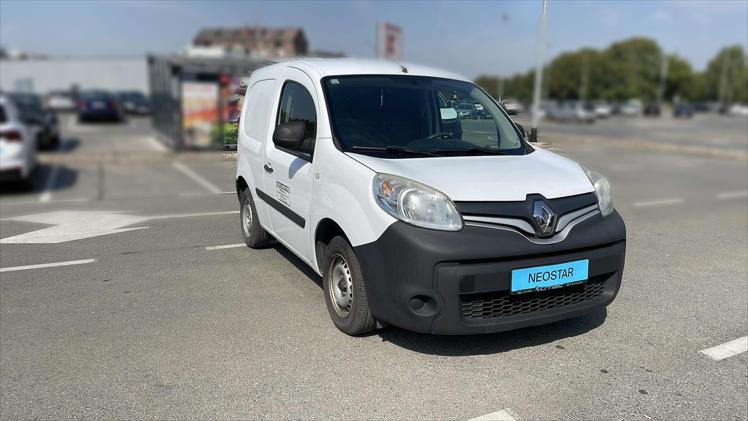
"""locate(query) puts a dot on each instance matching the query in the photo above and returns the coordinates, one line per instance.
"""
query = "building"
(249, 42)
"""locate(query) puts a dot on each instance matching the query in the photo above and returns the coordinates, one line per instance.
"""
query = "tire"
(350, 314)
(254, 235)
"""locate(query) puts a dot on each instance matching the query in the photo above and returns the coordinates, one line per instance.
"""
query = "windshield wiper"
(471, 151)
(393, 150)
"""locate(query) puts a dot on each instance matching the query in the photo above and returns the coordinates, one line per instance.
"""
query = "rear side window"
(259, 100)
(3, 116)
(297, 105)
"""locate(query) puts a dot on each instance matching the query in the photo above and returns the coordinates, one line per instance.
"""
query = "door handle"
(268, 168)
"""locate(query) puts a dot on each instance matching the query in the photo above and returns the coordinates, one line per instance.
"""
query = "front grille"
(495, 305)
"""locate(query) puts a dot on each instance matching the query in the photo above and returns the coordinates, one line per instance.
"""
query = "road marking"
(205, 194)
(4, 203)
(46, 195)
(503, 415)
(655, 203)
(47, 265)
(732, 194)
(190, 215)
(727, 349)
(196, 177)
(78, 225)
(226, 246)
(156, 145)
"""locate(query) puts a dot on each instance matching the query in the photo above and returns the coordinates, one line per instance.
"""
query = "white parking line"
(46, 195)
(727, 349)
(655, 203)
(48, 265)
(190, 215)
(205, 194)
(6, 203)
(503, 415)
(732, 195)
(196, 177)
(226, 246)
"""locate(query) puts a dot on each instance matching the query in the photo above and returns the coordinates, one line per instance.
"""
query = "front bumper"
(458, 282)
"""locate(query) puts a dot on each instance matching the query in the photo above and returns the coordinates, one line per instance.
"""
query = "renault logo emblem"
(544, 217)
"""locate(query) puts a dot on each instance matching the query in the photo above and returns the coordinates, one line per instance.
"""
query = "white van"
(415, 216)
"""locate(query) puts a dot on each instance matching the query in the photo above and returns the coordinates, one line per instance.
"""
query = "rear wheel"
(345, 290)
(254, 235)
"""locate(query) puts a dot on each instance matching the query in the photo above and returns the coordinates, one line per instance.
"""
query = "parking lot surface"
(125, 293)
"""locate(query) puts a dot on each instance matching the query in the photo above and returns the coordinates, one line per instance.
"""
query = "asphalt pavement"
(125, 293)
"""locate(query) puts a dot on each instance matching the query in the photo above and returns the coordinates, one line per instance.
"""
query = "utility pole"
(501, 87)
(723, 78)
(538, 74)
(663, 78)
(585, 78)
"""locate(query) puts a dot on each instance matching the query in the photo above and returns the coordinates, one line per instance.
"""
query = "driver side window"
(296, 104)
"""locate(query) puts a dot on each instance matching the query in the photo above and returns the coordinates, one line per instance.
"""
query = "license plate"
(541, 278)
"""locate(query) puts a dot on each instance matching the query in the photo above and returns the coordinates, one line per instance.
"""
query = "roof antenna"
(403, 68)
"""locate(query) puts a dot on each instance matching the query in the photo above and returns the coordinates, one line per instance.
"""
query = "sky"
(471, 38)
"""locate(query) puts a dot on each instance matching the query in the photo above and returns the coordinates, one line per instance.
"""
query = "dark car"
(683, 110)
(652, 109)
(42, 121)
(98, 106)
(134, 102)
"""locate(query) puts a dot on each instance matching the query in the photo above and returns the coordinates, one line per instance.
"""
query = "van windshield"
(396, 116)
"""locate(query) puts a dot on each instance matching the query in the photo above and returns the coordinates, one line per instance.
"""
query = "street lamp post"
(538, 74)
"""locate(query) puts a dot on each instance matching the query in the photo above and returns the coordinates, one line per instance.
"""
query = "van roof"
(322, 67)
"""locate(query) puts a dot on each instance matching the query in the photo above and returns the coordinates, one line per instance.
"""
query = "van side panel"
(253, 134)
(343, 193)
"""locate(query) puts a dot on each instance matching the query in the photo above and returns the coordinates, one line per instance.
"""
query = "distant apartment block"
(249, 42)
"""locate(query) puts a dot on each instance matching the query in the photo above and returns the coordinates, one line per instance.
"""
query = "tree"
(681, 80)
(726, 76)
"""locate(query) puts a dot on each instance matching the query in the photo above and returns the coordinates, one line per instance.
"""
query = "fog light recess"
(423, 305)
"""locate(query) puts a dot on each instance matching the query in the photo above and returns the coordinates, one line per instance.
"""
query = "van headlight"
(602, 191)
(415, 203)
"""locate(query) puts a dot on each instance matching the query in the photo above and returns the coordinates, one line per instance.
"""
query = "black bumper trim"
(408, 261)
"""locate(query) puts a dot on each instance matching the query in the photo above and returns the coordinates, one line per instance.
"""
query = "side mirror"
(533, 135)
(290, 135)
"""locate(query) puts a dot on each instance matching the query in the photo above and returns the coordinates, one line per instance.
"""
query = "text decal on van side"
(283, 193)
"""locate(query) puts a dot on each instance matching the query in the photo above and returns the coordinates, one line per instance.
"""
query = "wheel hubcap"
(340, 285)
(247, 219)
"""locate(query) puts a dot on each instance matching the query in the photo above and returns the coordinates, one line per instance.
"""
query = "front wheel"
(345, 290)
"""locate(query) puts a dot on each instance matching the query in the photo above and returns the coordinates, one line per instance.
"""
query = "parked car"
(652, 110)
(631, 108)
(134, 102)
(465, 109)
(42, 122)
(408, 223)
(512, 107)
(602, 109)
(683, 110)
(61, 101)
(17, 145)
(98, 106)
(738, 109)
(570, 112)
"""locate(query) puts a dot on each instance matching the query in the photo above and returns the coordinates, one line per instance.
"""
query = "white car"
(17, 145)
(738, 109)
(512, 106)
(602, 110)
(412, 216)
(60, 101)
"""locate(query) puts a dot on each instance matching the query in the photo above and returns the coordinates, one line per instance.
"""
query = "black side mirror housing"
(290, 135)
(533, 135)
